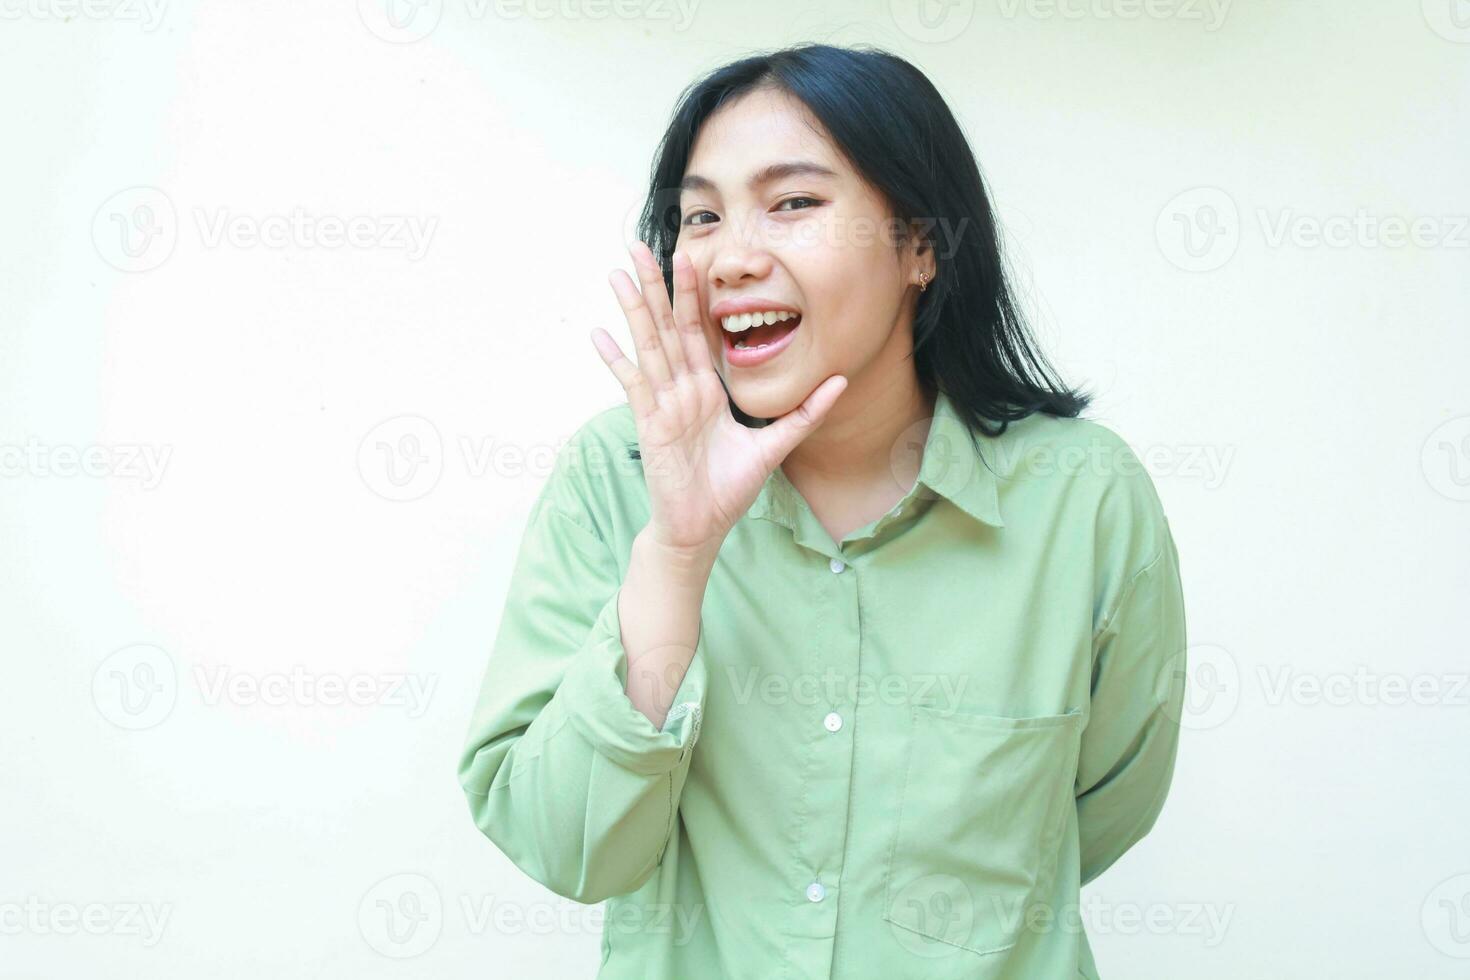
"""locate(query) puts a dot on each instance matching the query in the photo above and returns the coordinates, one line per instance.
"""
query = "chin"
(768, 399)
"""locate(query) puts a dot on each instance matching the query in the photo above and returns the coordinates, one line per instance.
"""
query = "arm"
(1132, 736)
(562, 771)
(659, 608)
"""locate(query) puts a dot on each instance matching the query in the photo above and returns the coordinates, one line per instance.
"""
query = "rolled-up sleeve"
(562, 772)
(1132, 735)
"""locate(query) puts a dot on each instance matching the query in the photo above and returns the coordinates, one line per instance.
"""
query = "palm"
(703, 475)
(702, 467)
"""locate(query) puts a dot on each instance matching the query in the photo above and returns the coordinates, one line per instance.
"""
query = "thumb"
(784, 434)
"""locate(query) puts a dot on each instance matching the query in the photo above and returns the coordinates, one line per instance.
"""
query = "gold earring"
(923, 281)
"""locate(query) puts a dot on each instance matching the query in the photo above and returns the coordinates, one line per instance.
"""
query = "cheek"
(828, 285)
(859, 317)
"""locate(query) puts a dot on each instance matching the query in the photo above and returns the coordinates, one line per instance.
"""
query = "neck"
(856, 442)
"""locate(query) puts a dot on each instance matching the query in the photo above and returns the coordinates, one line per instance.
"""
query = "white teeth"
(744, 321)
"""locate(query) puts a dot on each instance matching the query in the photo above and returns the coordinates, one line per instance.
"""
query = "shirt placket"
(825, 720)
(828, 722)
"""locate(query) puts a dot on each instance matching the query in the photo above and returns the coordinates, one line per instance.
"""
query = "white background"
(207, 487)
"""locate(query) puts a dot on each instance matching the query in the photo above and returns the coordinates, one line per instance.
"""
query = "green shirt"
(896, 756)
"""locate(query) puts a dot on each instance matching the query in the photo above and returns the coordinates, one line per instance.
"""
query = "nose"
(737, 263)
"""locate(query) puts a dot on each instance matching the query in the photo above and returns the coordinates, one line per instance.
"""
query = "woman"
(869, 655)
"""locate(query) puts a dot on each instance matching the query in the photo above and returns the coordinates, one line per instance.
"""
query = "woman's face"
(817, 240)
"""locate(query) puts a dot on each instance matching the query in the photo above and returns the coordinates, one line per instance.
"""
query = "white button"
(833, 721)
(815, 892)
(837, 564)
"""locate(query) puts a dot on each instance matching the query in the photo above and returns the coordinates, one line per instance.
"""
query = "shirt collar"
(951, 468)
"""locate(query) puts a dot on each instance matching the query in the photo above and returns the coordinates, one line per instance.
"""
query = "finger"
(784, 434)
(648, 348)
(656, 295)
(689, 315)
(640, 398)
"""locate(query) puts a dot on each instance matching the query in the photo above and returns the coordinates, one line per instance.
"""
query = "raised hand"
(703, 468)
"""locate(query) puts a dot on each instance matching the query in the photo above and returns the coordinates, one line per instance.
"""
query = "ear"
(919, 251)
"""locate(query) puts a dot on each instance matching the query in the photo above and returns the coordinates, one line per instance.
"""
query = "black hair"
(896, 130)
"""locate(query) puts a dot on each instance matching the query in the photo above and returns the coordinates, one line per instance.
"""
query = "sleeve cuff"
(597, 703)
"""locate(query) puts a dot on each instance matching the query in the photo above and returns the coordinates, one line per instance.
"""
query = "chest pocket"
(981, 813)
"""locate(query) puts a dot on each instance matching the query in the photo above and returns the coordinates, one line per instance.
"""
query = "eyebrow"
(765, 175)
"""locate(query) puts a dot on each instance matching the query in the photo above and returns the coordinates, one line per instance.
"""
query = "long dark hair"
(970, 339)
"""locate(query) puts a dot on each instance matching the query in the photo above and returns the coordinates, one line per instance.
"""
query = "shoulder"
(595, 478)
(1041, 439)
(610, 428)
(1083, 471)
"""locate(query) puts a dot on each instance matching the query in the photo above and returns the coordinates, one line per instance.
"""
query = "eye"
(689, 219)
(792, 200)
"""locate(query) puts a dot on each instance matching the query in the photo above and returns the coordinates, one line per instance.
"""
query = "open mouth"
(759, 339)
